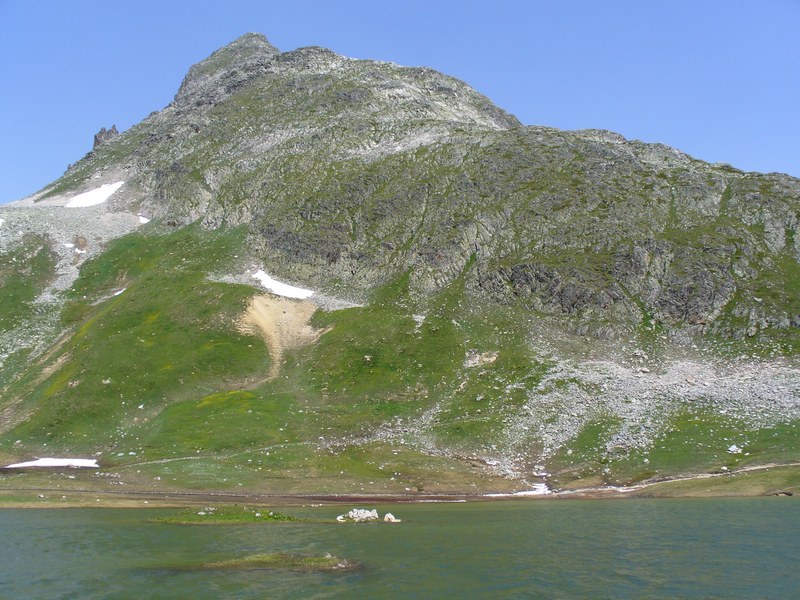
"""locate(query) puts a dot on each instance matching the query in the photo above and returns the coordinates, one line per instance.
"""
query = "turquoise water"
(731, 548)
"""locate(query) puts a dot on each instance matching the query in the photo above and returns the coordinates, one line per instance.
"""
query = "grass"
(171, 392)
(159, 380)
(25, 271)
(225, 515)
(584, 457)
(697, 441)
(765, 482)
(169, 337)
(220, 422)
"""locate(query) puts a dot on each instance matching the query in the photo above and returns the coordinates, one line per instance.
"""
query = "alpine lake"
(629, 548)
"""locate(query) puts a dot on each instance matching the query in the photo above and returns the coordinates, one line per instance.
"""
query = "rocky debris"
(476, 359)
(761, 394)
(283, 323)
(390, 518)
(73, 236)
(104, 135)
(574, 394)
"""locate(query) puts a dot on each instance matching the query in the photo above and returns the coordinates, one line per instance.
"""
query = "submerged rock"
(281, 560)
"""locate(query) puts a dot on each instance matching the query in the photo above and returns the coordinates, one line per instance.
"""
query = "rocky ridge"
(350, 171)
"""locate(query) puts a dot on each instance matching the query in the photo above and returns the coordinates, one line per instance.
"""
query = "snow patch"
(539, 489)
(95, 196)
(57, 462)
(143, 219)
(281, 289)
(118, 292)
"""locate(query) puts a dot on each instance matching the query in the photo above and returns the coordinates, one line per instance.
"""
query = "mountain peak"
(249, 44)
(225, 69)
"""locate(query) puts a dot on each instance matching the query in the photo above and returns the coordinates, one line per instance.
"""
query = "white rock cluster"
(361, 515)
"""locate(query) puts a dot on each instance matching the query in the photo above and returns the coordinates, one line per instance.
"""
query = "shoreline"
(55, 497)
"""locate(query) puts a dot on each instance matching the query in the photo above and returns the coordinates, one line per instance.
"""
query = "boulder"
(390, 518)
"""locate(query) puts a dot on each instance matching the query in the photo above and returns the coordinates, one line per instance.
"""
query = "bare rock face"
(104, 135)
(350, 172)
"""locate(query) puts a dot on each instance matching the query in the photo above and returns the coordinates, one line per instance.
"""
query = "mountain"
(491, 301)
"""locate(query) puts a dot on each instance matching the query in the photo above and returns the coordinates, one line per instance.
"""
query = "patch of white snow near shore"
(57, 462)
(539, 489)
(281, 289)
(95, 196)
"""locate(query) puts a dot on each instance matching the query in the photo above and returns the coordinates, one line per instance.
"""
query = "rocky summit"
(315, 274)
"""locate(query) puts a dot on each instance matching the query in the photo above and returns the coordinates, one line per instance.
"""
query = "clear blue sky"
(718, 79)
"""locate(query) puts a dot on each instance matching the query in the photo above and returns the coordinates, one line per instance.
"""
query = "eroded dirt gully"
(283, 323)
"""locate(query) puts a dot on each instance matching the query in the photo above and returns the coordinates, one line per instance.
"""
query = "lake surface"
(730, 548)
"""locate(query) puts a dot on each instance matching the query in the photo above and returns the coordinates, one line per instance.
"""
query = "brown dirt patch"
(283, 323)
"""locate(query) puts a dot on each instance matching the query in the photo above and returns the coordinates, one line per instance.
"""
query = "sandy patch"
(283, 323)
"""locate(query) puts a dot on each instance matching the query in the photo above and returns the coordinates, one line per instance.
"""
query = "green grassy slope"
(159, 383)
(168, 336)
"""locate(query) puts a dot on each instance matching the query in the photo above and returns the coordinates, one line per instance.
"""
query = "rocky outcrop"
(104, 135)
